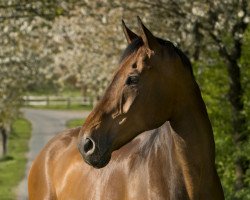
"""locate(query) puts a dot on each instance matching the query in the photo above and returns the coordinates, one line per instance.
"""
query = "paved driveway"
(45, 125)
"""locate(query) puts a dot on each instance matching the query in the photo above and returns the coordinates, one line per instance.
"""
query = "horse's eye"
(132, 80)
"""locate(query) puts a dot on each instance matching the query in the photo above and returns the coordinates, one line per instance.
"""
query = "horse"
(149, 137)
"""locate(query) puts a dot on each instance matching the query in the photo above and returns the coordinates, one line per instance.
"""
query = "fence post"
(27, 100)
(47, 100)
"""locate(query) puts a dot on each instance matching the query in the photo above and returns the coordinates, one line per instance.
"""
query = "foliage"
(245, 66)
(23, 56)
(12, 167)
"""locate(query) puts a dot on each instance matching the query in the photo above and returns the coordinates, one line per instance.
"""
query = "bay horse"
(149, 137)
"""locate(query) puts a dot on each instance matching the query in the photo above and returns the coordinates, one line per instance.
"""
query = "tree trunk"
(198, 40)
(235, 95)
(4, 141)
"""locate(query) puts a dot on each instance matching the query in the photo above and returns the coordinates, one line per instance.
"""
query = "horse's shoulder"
(64, 137)
(57, 146)
(61, 143)
(40, 176)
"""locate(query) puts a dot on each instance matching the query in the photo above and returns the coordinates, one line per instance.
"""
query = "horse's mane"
(137, 43)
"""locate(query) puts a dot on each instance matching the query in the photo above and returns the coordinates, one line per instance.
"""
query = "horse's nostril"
(88, 146)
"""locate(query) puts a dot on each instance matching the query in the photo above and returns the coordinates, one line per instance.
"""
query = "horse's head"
(140, 97)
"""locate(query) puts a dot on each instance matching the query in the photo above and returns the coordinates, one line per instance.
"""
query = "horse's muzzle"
(92, 154)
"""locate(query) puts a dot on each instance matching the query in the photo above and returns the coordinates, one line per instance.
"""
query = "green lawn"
(12, 167)
(75, 122)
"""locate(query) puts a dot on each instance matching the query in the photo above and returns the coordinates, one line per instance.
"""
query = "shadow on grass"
(6, 158)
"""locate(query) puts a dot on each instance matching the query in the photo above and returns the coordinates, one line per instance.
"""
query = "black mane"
(137, 43)
(132, 47)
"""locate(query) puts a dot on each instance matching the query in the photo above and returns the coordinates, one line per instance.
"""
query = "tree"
(24, 58)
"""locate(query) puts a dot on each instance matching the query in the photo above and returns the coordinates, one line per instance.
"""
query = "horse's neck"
(192, 129)
(193, 142)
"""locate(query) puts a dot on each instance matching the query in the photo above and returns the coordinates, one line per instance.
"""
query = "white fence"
(56, 100)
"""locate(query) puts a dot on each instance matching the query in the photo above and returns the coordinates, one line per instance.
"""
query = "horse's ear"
(130, 35)
(148, 38)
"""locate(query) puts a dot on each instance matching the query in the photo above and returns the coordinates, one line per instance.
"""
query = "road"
(45, 125)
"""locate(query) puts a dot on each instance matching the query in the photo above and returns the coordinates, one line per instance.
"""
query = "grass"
(12, 166)
(74, 123)
(63, 107)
